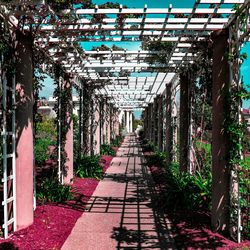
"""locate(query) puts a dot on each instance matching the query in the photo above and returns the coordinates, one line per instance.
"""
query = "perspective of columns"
(124, 126)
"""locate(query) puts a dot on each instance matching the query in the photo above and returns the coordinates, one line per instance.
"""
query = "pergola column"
(151, 122)
(130, 122)
(117, 124)
(146, 122)
(169, 128)
(92, 127)
(186, 153)
(80, 124)
(220, 171)
(108, 124)
(97, 128)
(127, 120)
(104, 125)
(24, 129)
(86, 119)
(101, 108)
(160, 123)
(155, 119)
(68, 146)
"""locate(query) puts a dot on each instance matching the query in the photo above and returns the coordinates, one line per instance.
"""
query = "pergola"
(60, 37)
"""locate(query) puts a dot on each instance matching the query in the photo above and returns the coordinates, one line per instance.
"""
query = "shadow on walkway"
(141, 224)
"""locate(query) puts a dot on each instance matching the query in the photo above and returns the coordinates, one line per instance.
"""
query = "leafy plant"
(60, 4)
(107, 150)
(51, 190)
(186, 191)
(41, 150)
(148, 146)
(244, 188)
(164, 47)
(46, 128)
(88, 166)
(117, 141)
(158, 158)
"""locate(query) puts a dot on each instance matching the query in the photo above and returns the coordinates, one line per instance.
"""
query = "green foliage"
(51, 190)
(117, 141)
(244, 189)
(41, 150)
(164, 47)
(148, 146)
(6, 1)
(45, 137)
(46, 128)
(186, 191)
(76, 136)
(204, 157)
(1, 158)
(137, 122)
(158, 158)
(235, 130)
(141, 134)
(107, 150)
(88, 167)
(60, 4)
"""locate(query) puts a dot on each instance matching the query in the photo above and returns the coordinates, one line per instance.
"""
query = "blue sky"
(245, 68)
(245, 71)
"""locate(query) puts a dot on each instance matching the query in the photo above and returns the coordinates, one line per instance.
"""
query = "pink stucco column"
(127, 120)
(97, 128)
(150, 119)
(184, 120)
(104, 125)
(155, 121)
(117, 123)
(130, 122)
(220, 171)
(160, 123)
(108, 123)
(68, 169)
(169, 129)
(24, 129)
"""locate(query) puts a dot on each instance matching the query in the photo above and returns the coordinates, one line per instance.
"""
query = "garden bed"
(192, 229)
(53, 222)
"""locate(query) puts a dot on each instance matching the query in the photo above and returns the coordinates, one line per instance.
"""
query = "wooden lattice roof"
(60, 35)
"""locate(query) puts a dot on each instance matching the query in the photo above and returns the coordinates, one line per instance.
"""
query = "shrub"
(204, 157)
(51, 190)
(158, 158)
(88, 166)
(46, 128)
(187, 191)
(117, 141)
(107, 150)
(141, 134)
(148, 146)
(41, 150)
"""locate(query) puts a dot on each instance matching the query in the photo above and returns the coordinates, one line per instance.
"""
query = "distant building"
(46, 107)
(245, 113)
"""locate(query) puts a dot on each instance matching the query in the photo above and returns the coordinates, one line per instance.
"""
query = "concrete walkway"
(120, 214)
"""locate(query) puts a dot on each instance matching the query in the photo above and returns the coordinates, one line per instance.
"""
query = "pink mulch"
(54, 222)
(192, 230)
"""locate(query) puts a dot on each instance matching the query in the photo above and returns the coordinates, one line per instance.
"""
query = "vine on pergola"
(63, 108)
(235, 128)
